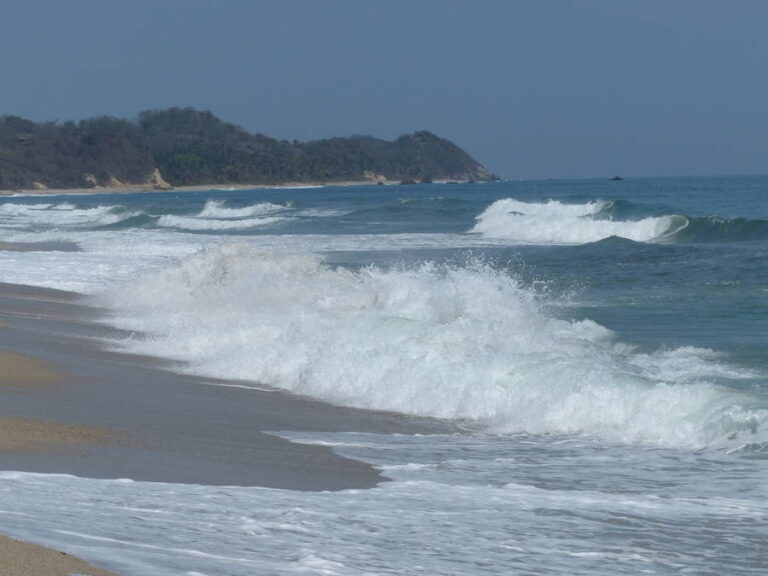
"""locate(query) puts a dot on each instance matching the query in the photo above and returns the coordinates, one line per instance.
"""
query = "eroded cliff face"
(153, 180)
(156, 181)
(179, 147)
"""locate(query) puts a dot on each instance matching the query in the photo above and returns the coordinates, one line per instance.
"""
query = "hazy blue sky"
(537, 88)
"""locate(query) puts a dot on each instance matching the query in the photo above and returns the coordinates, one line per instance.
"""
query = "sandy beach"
(139, 189)
(142, 189)
(180, 428)
(24, 559)
(69, 406)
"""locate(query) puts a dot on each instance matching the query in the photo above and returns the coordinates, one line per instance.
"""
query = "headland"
(181, 147)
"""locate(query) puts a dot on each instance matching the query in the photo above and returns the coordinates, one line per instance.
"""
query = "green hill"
(183, 146)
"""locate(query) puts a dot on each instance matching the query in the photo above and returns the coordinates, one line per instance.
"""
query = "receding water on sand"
(459, 504)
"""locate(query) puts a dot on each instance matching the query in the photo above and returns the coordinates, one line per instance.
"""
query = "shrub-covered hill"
(183, 146)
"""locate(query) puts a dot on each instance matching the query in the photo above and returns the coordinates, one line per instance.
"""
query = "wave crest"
(217, 209)
(467, 343)
(62, 214)
(553, 222)
(203, 224)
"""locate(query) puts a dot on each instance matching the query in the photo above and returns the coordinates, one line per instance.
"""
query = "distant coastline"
(182, 147)
(144, 189)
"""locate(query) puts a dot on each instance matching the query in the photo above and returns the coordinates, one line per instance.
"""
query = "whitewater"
(599, 347)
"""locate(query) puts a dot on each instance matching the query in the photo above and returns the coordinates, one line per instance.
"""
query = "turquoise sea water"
(603, 345)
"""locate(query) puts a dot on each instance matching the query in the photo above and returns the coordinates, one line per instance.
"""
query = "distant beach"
(139, 189)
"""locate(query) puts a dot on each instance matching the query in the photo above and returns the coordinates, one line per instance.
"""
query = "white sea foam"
(200, 224)
(460, 504)
(215, 216)
(63, 214)
(463, 342)
(105, 260)
(18, 209)
(553, 222)
(217, 209)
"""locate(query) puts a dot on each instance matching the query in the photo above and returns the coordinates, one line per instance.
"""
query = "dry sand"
(24, 559)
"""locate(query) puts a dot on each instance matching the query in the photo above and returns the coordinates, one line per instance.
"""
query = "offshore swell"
(551, 222)
(584, 327)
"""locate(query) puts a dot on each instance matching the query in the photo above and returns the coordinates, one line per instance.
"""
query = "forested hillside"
(183, 146)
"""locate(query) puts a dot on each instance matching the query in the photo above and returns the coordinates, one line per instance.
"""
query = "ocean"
(600, 348)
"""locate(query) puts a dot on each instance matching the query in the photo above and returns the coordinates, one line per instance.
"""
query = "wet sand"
(24, 559)
(69, 406)
(21, 435)
(38, 246)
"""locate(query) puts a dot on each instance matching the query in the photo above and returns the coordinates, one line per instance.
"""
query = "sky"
(530, 88)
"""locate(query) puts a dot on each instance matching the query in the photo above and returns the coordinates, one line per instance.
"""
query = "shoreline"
(140, 189)
(28, 559)
(118, 415)
(69, 406)
(147, 189)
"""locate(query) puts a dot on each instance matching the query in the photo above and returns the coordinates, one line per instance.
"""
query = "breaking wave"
(63, 214)
(215, 216)
(459, 342)
(217, 209)
(200, 224)
(553, 222)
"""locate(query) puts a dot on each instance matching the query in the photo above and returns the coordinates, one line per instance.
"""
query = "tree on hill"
(190, 147)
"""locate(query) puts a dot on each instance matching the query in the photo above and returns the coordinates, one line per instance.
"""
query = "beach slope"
(69, 406)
